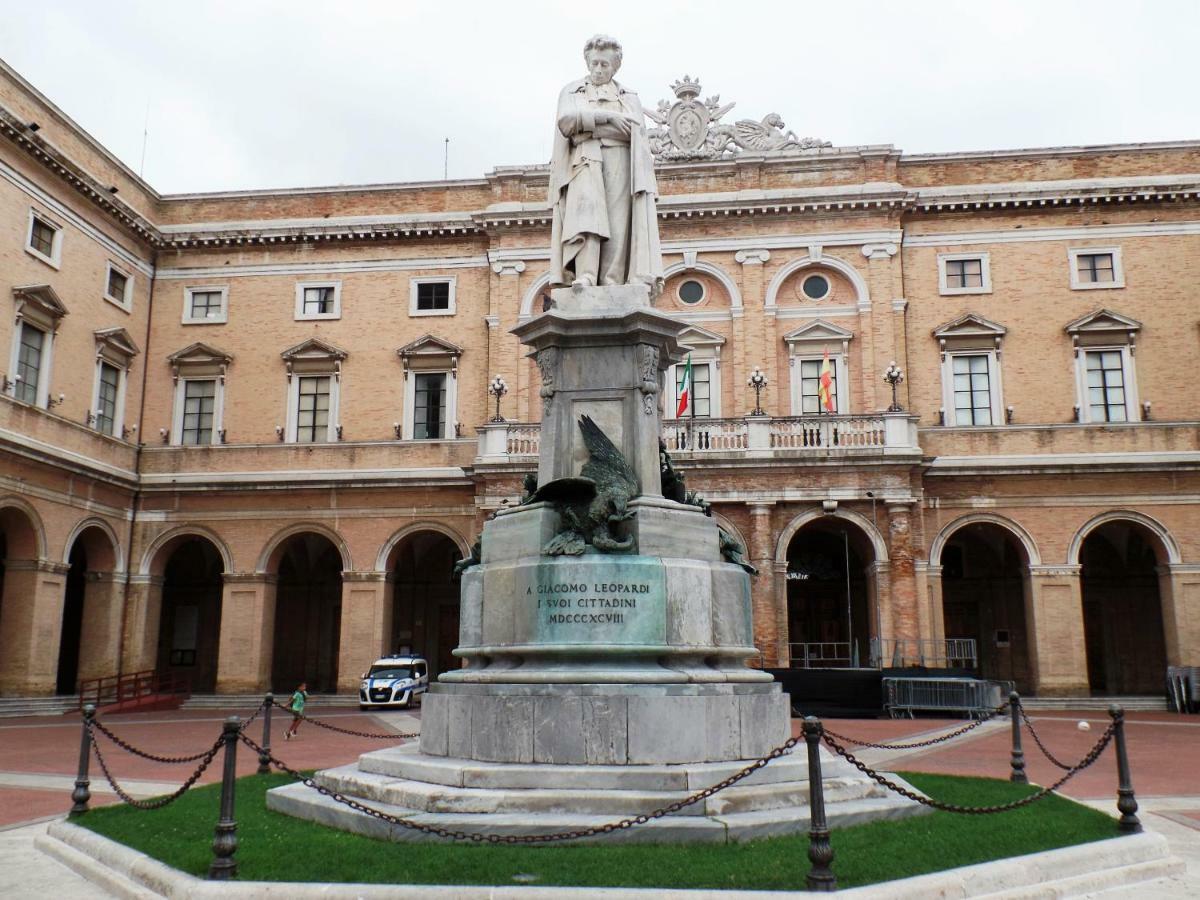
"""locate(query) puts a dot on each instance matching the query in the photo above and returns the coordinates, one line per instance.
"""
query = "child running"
(297, 707)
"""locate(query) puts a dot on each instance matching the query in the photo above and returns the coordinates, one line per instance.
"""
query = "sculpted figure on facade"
(602, 184)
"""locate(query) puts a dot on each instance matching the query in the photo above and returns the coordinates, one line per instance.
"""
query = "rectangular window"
(318, 301)
(972, 390)
(312, 420)
(106, 398)
(1095, 268)
(964, 273)
(199, 404)
(429, 407)
(117, 282)
(701, 390)
(43, 238)
(206, 304)
(1105, 386)
(29, 363)
(433, 295)
(810, 386)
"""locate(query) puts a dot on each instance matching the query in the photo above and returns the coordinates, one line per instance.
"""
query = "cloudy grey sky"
(252, 93)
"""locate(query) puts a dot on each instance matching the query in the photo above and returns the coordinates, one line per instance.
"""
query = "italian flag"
(825, 391)
(685, 389)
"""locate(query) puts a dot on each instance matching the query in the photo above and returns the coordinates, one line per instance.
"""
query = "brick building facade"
(244, 436)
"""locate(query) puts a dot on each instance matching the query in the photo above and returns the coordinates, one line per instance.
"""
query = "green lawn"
(273, 847)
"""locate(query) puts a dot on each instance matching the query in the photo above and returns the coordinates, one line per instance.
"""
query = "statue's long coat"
(581, 161)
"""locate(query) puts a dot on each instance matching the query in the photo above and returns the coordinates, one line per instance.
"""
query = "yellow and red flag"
(825, 391)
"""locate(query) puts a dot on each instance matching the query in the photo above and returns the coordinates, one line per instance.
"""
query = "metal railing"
(823, 655)
(949, 653)
(973, 697)
(116, 691)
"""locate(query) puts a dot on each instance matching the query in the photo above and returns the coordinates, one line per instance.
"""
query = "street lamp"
(758, 381)
(498, 389)
(894, 376)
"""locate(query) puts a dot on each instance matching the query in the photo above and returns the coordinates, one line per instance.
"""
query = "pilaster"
(247, 633)
(768, 636)
(366, 630)
(878, 323)
(1179, 593)
(901, 574)
(758, 332)
(103, 598)
(143, 612)
(1054, 620)
(504, 356)
(30, 626)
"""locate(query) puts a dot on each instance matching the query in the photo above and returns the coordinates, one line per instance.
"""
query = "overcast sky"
(255, 94)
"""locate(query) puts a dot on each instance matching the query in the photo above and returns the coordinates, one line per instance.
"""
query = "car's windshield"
(391, 672)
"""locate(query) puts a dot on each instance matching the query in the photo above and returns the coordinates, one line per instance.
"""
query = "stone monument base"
(515, 798)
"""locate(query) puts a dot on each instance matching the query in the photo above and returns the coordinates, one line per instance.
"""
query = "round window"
(815, 287)
(691, 292)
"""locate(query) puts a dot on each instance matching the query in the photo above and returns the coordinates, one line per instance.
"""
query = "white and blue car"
(396, 681)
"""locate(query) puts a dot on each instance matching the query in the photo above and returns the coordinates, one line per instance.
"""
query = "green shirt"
(298, 699)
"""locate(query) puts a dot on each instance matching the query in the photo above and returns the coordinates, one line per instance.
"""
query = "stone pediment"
(970, 325)
(313, 349)
(39, 302)
(429, 351)
(1103, 321)
(199, 359)
(819, 331)
(116, 342)
(697, 338)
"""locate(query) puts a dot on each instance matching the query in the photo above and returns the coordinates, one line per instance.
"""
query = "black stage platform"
(847, 693)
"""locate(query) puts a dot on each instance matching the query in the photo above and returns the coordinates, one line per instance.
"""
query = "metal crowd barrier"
(1183, 688)
(969, 696)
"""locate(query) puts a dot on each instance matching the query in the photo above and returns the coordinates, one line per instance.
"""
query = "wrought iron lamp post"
(498, 389)
(758, 381)
(894, 376)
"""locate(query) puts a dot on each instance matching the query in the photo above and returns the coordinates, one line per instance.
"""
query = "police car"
(394, 681)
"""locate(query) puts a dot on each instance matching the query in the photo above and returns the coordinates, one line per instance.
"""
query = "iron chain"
(390, 736)
(158, 802)
(918, 744)
(129, 748)
(1037, 740)
(254, 715)
(476, 837)
(1090, 758)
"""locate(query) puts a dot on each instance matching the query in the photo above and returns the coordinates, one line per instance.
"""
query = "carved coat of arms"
(692, 129)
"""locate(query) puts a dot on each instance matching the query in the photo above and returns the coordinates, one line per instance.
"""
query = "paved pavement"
(38, 757)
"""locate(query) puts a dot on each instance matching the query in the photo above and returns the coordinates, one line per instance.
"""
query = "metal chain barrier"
(254, 715)
(158, 802)
(1087, 760)
(97, 725)
(390, 736)
(918, 744)
(1037, 740)
(606, 828)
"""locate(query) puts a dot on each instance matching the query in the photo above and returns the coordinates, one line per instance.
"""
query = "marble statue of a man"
(602, 185)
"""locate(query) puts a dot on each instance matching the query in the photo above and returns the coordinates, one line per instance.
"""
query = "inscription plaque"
(595, 600)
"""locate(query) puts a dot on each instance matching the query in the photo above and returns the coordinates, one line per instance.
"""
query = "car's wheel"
(363, 707)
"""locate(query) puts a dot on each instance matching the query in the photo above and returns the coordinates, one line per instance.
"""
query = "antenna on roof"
(145, 137)
(446, 162)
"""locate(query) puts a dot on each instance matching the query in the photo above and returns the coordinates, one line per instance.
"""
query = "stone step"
(305, 803)
(11, 707)
(438, 798)
(406, 761)
(316, 702)
(1129, 704)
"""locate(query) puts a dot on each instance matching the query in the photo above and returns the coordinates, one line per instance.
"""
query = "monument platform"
(516, 799)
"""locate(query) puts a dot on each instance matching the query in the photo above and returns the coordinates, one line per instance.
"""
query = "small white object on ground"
(1084, 726)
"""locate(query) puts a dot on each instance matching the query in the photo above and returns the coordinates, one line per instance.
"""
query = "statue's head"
(603, 56)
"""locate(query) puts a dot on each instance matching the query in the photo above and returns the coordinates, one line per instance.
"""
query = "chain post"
(264, 756)
(224, 866)
(1126, 801)
(820, 850)
(1018, 755)
(82, 793)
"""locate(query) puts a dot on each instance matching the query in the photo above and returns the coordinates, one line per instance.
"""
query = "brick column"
(764, 602)
(366, 632)
(504, 352)
(878, 336)
(31, 626)
(1054, 621)
(754, 345)
(1179, 593)
(143, 614)
(247, 643)
(901, 576)
(103, 599)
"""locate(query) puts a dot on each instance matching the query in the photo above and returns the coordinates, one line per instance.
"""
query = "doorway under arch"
(308, 614)
(1122, 609)
(425, 598)
(91, 552)
(984, 574)
(189, 628)
(830, 582)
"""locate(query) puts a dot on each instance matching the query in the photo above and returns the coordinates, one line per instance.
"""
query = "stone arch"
(383, 560)
(534, 291)
(96, 561)
(863, 294)
(878, 544)
(1023, 537)
(1163, 536)
(34, 545)
(154, 559)
(731, 288)
(269, 559)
